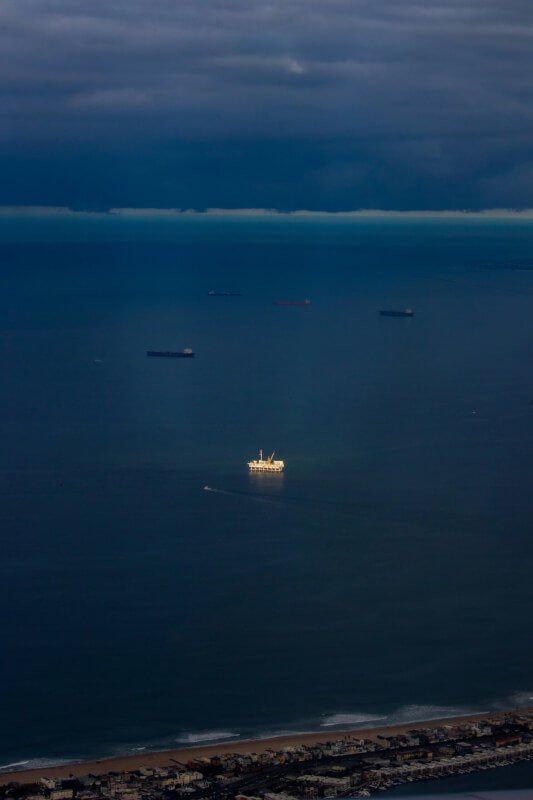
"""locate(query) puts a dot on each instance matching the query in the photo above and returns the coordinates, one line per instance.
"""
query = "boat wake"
(219, 491)
(256, 496)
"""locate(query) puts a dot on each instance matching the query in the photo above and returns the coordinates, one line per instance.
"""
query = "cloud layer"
(400, 95)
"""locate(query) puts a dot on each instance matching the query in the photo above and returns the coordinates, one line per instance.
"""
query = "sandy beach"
(179, 757)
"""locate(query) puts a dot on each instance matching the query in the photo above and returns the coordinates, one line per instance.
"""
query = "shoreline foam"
(180, 756)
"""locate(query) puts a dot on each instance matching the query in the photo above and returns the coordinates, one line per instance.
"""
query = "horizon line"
(54, 211)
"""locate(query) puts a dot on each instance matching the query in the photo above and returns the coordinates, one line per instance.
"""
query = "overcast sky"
(331, 104)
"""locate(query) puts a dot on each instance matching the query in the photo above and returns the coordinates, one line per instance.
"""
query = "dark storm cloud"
(389, 90)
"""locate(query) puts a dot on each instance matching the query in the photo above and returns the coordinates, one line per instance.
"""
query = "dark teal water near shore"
(387, 573)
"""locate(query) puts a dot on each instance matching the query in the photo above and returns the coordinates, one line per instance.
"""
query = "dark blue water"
(386, 574)
(517, 777)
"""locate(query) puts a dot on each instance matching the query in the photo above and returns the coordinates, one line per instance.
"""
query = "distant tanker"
(407, 312)
(187, 353)
(292, 302)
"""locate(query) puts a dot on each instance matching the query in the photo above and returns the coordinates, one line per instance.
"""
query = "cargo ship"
(292, 302)
(186, 353)
(266, 464)
(212, 293)
(407, 312)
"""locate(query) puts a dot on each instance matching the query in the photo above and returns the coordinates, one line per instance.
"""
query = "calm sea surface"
(386, 575)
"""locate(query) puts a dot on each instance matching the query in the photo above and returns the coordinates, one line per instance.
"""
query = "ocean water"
(385, 576)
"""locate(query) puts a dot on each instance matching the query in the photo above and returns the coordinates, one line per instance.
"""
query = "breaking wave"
(415, 713)
(522, 699)
(349, 719)
(279, 734)
(14, 764)
(209, 736)
(35, 763)
(403, 715)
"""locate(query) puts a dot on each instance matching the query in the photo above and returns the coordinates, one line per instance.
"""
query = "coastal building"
(412, 755)
(321, 783)
(446, 750)
(145, 772)
(504, 741)
(126, 793)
